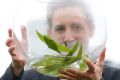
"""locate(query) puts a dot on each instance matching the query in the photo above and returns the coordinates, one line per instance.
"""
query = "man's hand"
(17, 60)
(94, 71)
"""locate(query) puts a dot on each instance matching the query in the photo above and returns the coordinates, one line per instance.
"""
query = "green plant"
(53, 64)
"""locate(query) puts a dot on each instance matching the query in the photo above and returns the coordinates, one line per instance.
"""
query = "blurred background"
(110, 9)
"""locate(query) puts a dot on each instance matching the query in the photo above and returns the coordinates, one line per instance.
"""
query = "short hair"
(55, 4)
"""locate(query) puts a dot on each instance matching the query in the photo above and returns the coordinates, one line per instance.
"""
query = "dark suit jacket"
(109, 73)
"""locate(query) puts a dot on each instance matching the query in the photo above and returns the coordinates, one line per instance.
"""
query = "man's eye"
(76, 27)
(59, 28)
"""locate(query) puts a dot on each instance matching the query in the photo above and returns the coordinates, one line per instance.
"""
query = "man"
(68, 21)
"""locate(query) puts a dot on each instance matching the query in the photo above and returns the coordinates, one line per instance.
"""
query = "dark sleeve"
(9, 75)
(34, 75)
(111, 73)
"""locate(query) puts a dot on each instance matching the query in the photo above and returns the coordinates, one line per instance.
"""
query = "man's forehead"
(69, 11)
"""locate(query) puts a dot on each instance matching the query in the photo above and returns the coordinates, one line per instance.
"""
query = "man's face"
(69, 24)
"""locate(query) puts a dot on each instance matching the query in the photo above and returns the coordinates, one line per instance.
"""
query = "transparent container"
(52, 35)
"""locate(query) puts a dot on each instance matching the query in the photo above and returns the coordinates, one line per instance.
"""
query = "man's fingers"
(101, 57)
(91, 66)
(78, 74)
(65, 72)
(10, 32)
(62, 76)
(24, 32)
(24, 38)
(11, 50)
(9, 42)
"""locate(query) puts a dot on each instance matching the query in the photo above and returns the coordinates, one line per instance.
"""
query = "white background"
(111, 11)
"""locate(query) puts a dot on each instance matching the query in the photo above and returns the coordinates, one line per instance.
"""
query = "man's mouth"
(69, 44)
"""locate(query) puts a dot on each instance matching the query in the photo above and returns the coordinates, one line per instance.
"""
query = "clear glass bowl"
(67, 23)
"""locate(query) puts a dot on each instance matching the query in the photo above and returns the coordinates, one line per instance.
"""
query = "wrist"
(17, 70)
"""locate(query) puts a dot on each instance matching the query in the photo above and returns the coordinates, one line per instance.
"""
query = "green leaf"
(52, 44)
(68, 56)
(73, 50)
(52, 65)
(79, 56)
(83, 64)
(41, 37)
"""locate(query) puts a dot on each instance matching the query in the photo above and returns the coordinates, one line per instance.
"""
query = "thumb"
(101, 57)
(10, 32)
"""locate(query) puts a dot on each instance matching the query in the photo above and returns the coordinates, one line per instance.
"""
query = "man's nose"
(69, 36)
(69, 39)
